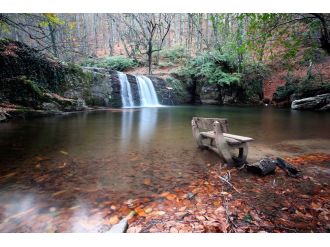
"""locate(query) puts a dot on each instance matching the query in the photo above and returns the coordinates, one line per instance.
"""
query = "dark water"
(51, 165)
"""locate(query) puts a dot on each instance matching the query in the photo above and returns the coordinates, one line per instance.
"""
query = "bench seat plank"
(239, 138)
(211, 134)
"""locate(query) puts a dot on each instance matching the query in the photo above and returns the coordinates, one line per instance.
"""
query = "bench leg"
(223, 149)
(243, 152)
(196, 134)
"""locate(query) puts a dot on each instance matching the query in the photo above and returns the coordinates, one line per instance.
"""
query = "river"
(58, 170)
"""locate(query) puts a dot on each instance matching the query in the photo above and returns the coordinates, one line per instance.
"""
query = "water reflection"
(147, 123)
(126, 128)
(137, 126)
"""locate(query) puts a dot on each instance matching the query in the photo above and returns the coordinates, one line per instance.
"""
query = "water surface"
(56, 171)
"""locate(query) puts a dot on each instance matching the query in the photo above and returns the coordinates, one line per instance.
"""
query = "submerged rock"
(319, 103)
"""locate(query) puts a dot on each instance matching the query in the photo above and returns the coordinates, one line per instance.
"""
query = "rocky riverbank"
(34, 84)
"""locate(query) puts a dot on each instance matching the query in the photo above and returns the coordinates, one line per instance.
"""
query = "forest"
(108, 122)
(239, 58)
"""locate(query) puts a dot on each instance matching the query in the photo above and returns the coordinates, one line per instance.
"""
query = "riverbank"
(275, 203)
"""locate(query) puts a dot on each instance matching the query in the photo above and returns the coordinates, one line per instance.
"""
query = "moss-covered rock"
(20, 90)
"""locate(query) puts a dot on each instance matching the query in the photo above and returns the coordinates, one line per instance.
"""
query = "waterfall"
(147, 93)
(126, 93)
(148, 96)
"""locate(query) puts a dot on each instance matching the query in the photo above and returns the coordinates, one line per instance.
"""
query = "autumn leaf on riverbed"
(63, 152)
(140, 211)
(62, 166)
(147, 181)
(168, 196)
(113, 220)
(59, 193)
(8, 175)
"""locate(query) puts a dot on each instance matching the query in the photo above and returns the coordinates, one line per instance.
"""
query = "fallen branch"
(288, 168)
(226, 181)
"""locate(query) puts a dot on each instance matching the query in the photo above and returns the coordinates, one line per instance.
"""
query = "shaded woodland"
(121, 158)
(245, 58)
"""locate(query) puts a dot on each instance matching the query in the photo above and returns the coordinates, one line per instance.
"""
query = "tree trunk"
(53, 39)
(149, 54)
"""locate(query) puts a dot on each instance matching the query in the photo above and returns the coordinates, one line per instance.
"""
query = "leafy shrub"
(179, 88)
(166, 64)
(174, 54)
(284, 92)
(253, 76)
(120, 63)
(213, 67)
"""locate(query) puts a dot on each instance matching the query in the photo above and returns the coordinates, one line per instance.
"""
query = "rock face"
(166, 95)
(319, 103)
(218, 95)
(134, 88)
(210, 95)
(100, 87)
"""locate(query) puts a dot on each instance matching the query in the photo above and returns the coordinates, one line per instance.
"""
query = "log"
(288, 168)
(262, 167)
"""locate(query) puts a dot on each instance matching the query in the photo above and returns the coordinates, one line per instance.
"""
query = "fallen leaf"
(62, 166)
(170, 197)
(140, 211)
(8, 175)
(114, 220)
(164, 194)
(148, 210)
(147, 181)
(58, 192)
(63, 152)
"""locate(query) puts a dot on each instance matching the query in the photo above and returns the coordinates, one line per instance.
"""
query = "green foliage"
(303, 87)
(214, 67)
(4, 27)
(253, 77)
(173, 54)
(177, 85)
(165, 64)
(120, 63)
(284, 92)
(53, 19)
(33, 86)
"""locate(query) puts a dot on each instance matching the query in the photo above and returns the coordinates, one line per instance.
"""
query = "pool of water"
(49, 167)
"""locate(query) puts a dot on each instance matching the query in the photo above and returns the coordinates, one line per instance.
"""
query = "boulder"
(319, 103)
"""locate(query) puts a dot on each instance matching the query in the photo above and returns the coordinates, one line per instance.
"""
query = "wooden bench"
(216, 138)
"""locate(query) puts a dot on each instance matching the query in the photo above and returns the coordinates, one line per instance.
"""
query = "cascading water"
(126, 93)
(148, 96)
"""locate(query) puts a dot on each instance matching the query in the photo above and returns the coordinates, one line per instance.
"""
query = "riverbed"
(65, 173)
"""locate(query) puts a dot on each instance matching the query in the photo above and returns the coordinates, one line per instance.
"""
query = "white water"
(148, 96)
(126, 93)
